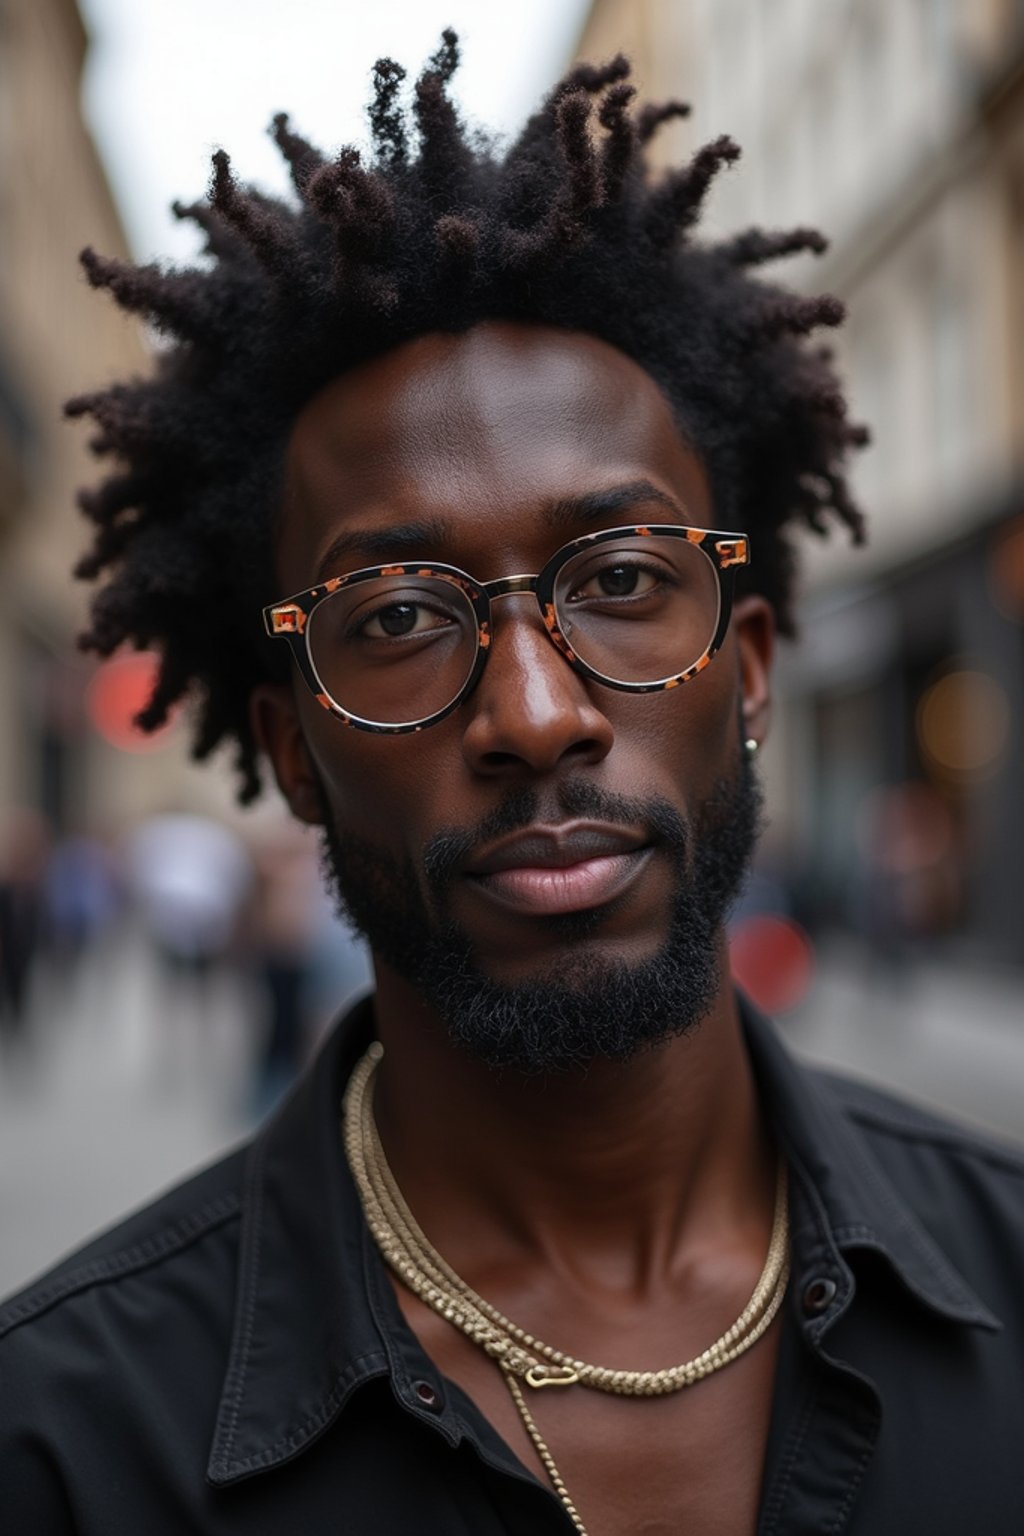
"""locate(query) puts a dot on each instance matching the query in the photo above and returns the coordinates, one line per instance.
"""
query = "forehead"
(476, 437)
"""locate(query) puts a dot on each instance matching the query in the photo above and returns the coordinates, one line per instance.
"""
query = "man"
(464, 495)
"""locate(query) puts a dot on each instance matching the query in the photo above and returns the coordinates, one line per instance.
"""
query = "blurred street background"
(167, 961)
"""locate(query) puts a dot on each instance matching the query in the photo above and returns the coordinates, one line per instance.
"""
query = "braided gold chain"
(522, 1357)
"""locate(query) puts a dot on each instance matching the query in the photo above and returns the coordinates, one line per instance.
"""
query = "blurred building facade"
(897, 766)
(57, 337)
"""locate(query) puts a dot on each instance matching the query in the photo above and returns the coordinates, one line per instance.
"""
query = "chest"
(633, 1466)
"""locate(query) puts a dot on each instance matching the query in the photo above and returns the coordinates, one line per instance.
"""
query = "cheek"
(398, 791)
(689, 733)
(384, 787)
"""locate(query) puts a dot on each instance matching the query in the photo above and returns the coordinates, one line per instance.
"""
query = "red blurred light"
(117, 691)
(772, 959)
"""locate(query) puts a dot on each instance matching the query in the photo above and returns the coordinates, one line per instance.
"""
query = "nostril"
(499, 760)
(585, 751)
(506, 743)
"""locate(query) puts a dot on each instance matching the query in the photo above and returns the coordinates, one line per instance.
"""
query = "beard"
(586, 1006)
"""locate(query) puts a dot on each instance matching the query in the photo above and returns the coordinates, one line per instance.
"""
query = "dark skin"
(621, 1213)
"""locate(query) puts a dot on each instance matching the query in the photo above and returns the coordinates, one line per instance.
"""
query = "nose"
(530, 713)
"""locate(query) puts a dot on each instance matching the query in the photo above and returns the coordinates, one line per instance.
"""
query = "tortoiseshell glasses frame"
(290, 619)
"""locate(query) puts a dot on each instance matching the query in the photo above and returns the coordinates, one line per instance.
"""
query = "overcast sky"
(168, 81)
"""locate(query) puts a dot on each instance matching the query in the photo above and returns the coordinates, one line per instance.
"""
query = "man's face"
(553, 844)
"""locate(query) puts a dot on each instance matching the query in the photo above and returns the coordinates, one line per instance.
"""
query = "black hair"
(435, 231)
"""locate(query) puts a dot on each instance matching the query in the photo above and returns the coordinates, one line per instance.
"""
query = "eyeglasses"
(396, 648)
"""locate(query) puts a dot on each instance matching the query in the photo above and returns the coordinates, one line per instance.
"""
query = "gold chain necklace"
(520, 1355)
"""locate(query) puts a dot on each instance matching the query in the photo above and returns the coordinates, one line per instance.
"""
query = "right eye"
(405, 616)
(399, 619)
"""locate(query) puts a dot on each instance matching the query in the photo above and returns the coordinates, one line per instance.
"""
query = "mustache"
(448, 849)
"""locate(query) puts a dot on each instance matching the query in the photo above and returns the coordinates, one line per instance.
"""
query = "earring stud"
(750, 746)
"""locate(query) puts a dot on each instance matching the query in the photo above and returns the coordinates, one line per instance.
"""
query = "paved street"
(951, 1038)
(127, 1086)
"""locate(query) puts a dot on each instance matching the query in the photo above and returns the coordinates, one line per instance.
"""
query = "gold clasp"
(551, 1376)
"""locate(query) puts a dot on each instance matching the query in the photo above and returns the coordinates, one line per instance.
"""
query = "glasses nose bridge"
(521, 586)
(509, 586)
(524, 586)
(514, 586)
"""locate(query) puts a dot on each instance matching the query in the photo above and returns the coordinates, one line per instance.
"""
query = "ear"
(275, 723)
(754, 624)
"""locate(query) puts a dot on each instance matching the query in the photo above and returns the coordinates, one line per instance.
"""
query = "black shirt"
(232, 1359)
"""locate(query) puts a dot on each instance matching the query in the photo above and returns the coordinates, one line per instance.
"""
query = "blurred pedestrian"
(283, 909)
(24, 846)
(309, 962)
(907, 890)
(189, 877)
(83, 897)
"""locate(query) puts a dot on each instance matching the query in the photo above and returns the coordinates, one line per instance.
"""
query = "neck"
(621, 1168)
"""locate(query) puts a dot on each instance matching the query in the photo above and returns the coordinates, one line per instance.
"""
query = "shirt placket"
(829, 1414)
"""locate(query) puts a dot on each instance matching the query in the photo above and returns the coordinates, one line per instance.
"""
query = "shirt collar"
(308, 1297)
(843, 1199)
(304, 1335)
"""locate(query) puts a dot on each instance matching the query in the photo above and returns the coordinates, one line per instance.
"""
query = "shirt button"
(429, 1396)
(817, 1295)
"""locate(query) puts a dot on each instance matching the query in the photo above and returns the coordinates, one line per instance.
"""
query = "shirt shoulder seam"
(948, 1140)
(138, 1256)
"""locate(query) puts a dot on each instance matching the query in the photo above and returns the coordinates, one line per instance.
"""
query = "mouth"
(551, 870)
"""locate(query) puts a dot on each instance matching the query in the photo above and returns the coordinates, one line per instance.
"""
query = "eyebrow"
(383, 544)
(379, 545)
(570, 511)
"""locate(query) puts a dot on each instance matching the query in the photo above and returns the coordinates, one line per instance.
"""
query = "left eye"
(623, 579)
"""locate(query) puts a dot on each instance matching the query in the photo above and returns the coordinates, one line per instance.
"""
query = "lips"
(544, 871)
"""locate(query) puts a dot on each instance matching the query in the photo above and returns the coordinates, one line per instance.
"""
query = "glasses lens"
(394, 650)
(639, 610)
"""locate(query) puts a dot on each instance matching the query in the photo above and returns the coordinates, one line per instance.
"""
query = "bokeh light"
(117, 691)
(772, 959)
(963, 724)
